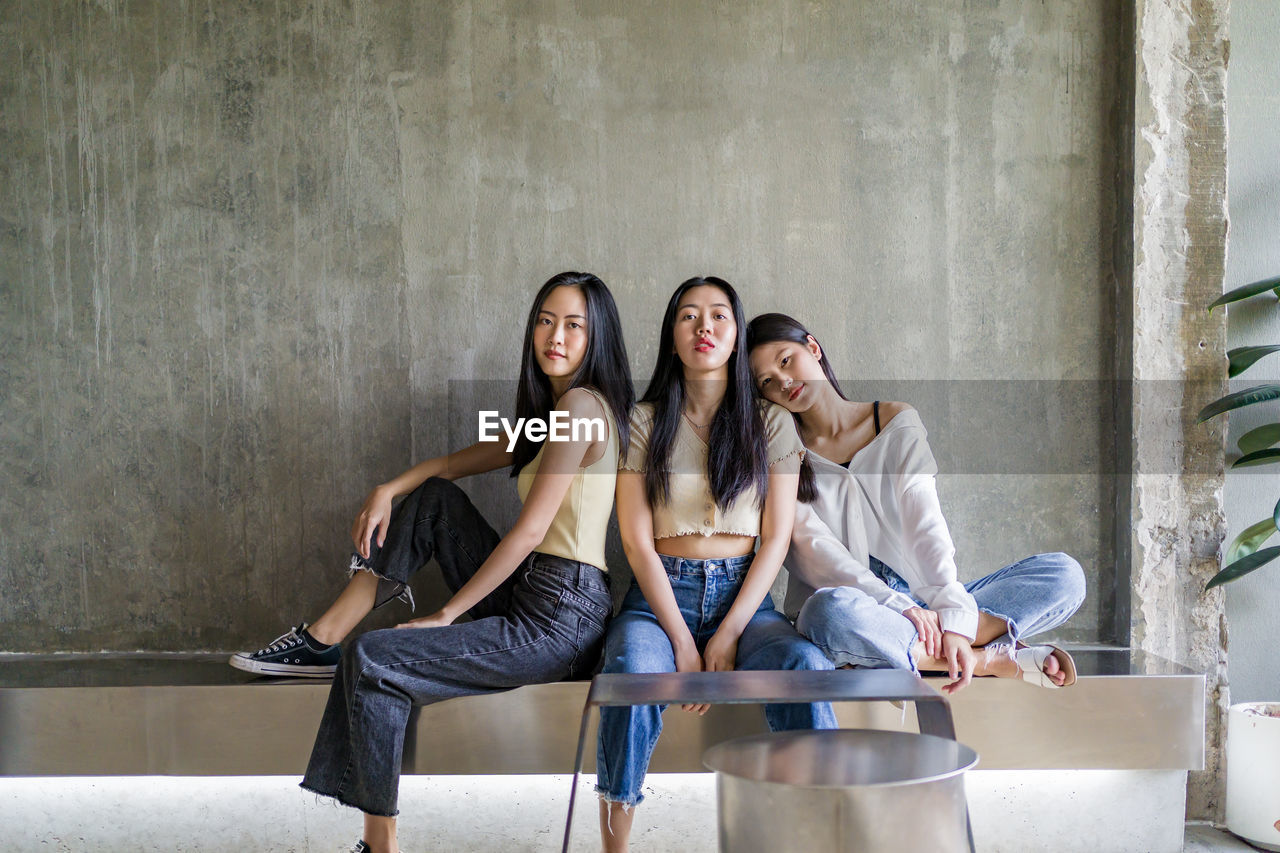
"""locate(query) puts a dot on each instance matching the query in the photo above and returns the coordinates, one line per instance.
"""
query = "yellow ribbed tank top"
(577, 532)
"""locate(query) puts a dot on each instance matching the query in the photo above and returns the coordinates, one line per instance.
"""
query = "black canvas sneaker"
(290, 654)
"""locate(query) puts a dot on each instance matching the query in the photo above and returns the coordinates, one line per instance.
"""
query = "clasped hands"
(942, 645)
(719, 656)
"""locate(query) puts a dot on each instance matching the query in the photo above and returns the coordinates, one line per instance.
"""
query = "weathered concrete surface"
(204, 339)
(1180, 222)
(247, 246)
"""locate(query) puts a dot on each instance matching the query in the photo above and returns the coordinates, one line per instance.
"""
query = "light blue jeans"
(1032, 595)
(704, 590)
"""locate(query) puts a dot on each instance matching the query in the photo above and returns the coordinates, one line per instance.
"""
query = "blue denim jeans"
(704, 590)
(544, 623)
(1032, 595)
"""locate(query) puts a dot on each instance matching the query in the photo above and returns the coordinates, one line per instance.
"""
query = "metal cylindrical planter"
(1253, 773)
(841, 789)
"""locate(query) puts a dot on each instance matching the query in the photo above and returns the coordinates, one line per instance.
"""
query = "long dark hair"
(737, 459)
(773, 328)
(604, 367)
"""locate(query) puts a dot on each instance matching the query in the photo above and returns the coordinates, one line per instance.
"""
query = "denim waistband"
(569, 570)
(729, 566)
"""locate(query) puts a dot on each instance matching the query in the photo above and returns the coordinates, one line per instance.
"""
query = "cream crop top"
(578, 529)
(690, 508)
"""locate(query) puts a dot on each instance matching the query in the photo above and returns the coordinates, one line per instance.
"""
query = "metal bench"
(1126, 733)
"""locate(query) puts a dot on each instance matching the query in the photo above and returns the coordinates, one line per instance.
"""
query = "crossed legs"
(1020, 600)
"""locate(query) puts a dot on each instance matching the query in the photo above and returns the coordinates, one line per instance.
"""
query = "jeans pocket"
(539, 597)
(542, 584)
(576, 610)
(594, 604)
(588, 649)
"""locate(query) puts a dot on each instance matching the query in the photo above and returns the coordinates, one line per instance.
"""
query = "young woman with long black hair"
(538, 596)
(706, 472)
(872, 573)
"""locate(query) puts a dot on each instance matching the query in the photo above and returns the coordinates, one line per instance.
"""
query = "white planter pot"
(1253, 773)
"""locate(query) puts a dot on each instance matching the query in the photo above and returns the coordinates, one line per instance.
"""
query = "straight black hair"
(774, 328)
(604, 367)
(737, 460)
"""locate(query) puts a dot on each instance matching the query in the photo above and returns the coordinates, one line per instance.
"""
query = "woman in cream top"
(872, 572)
(690, 507)
(577, 530)
(706, 472)
(538, 596)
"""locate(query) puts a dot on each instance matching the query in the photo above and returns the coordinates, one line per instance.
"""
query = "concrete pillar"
(1179, 245)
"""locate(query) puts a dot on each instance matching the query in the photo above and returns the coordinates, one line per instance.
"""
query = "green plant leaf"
(1241, 359)
(1275, 515)
(1259, 439)
(1246, 291)
(1250, 539)
(1243, 566)
(1261, 457)
(1247, 397)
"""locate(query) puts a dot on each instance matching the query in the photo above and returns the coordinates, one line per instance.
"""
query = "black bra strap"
(875, 415)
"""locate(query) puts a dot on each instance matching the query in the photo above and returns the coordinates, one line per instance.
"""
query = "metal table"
(761, 687)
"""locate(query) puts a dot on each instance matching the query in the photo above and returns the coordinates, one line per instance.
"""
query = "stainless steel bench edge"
(1103, 722)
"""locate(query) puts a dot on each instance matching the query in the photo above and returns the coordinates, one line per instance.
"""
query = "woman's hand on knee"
(373, 517)
(960, 658)
(928, 628)
(439, 619)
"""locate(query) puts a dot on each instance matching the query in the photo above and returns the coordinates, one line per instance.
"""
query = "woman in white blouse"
(873, 579)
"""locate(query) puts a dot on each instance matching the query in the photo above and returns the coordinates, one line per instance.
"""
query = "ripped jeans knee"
(388, 590)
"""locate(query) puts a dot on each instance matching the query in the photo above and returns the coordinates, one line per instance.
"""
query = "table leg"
(577, 772)
(934, 718)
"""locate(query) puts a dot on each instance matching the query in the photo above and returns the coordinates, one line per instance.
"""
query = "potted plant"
(1253, 729)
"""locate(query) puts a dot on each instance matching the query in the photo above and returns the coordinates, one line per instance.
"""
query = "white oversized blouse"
(885, 503)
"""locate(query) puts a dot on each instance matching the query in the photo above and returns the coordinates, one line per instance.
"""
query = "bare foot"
(998, 660)
(1053, 669)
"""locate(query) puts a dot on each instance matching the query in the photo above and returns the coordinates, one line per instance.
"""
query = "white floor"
(1202, 838)
(453, 813)
(272, 815)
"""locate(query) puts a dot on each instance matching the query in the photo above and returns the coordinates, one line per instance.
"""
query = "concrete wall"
(1253, 160)
(246, 247)
(1179, 252)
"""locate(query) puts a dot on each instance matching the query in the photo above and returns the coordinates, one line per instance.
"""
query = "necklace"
(691, 423)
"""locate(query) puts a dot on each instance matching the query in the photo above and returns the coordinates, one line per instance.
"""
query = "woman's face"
(560, 332)
(705, 332)
(788, 373)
